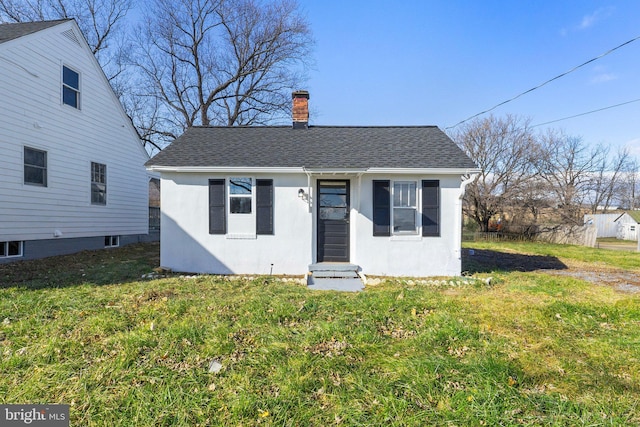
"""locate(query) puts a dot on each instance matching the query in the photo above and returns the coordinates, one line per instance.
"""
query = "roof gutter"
(423, 171)
(313, 171)
(225, 169)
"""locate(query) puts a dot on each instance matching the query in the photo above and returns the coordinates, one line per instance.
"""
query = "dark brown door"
(333, 221)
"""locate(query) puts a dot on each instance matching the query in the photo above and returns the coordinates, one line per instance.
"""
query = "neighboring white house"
(72, 172)
(628, 225)
(261, 200)
(605, 224)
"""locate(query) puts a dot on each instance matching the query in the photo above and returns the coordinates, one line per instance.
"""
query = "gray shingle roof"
(16, 30)
(318, 147)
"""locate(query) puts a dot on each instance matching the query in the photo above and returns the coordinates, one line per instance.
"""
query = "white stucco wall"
(186, 244)
(411, 255)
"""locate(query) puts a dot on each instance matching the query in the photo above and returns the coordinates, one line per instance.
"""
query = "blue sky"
(419, 62)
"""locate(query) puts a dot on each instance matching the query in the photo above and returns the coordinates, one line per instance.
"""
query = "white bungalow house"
(72, 172)
(289, 199)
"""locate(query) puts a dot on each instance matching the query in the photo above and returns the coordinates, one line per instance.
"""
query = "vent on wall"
(71, 36)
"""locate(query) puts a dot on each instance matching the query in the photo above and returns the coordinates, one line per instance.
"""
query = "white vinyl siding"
(33, 116)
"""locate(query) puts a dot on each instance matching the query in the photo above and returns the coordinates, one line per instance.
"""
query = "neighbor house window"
(404, 207)
(240, 195)
(396, 207)
(111, 241)
(98, 184)
(35, 167)
(70, 87)
(10, 249)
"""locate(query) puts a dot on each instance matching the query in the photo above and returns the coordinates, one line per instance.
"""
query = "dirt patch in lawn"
(485, 261)
(621, 280)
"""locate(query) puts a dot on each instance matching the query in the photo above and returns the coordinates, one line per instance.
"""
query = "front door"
(333, 221)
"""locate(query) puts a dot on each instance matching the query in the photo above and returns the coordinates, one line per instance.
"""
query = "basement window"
(111, 241)
(11, 249)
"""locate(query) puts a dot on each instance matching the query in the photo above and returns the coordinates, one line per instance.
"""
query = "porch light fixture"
(304, 196)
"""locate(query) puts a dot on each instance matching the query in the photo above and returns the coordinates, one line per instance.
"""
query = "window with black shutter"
(431, 208)
(381, 208)
(264, 206)
(217, 211)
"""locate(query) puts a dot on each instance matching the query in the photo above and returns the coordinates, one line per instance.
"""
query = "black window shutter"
(381, 208)
(217, 211)
(431, 208)
(264, 206)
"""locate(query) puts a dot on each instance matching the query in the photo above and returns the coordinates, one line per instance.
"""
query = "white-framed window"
(11, 249)
(406, 208)
(241, 207)
(240, 195)
(111, 241)
(35, 167)
(98, 184)
(70, 87)
(404, 212)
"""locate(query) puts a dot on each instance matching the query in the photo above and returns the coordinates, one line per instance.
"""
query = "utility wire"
(585, 113)
(546, 82)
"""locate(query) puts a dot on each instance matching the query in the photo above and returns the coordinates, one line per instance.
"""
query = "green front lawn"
(527, 349)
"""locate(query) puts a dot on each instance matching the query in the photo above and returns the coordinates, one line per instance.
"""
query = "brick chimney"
(300, 109)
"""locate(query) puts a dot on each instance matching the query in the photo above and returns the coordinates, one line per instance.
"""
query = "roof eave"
(425, 171)
(218, 169)
(302, 169)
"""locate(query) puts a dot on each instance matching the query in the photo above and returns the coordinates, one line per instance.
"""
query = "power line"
(546, 82)
(585, 113)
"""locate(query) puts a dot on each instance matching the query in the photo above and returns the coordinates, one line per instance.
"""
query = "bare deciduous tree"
(567, 165)
(606, 179)
(628, 190)
(502, 148)
(219, 62)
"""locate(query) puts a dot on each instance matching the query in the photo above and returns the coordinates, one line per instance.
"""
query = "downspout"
(458, 229)
(359, 188)
(308, 188)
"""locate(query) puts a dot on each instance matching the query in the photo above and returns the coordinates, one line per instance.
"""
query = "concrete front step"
(335, 276)
(333, 266)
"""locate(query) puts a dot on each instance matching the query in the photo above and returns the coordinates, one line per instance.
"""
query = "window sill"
(241, 236)
(406, 237)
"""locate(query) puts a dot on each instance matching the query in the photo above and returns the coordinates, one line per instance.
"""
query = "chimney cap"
(300, 94)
